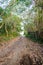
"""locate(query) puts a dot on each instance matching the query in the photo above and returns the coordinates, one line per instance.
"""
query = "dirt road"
(21, 51)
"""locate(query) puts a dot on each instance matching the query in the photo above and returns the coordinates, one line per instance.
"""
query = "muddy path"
(21, 51)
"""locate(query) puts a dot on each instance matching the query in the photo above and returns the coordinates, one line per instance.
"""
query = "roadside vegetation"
(29, 12)
(34, 25)
(10, 25)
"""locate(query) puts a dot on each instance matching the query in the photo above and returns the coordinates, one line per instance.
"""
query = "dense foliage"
(27, 12)
(34, 26)
(10, 25)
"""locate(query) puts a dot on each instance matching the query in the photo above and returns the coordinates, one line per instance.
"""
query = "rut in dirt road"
(22, 52)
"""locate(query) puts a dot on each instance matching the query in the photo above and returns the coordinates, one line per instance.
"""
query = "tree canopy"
(29, 12)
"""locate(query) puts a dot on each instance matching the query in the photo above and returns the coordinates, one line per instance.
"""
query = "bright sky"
(4, 3)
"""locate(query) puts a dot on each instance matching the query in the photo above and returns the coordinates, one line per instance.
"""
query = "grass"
(39, 40)
(4, 37)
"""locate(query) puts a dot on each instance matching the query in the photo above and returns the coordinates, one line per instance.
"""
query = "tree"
(34, 21)
(39, 17)
(10, 23)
